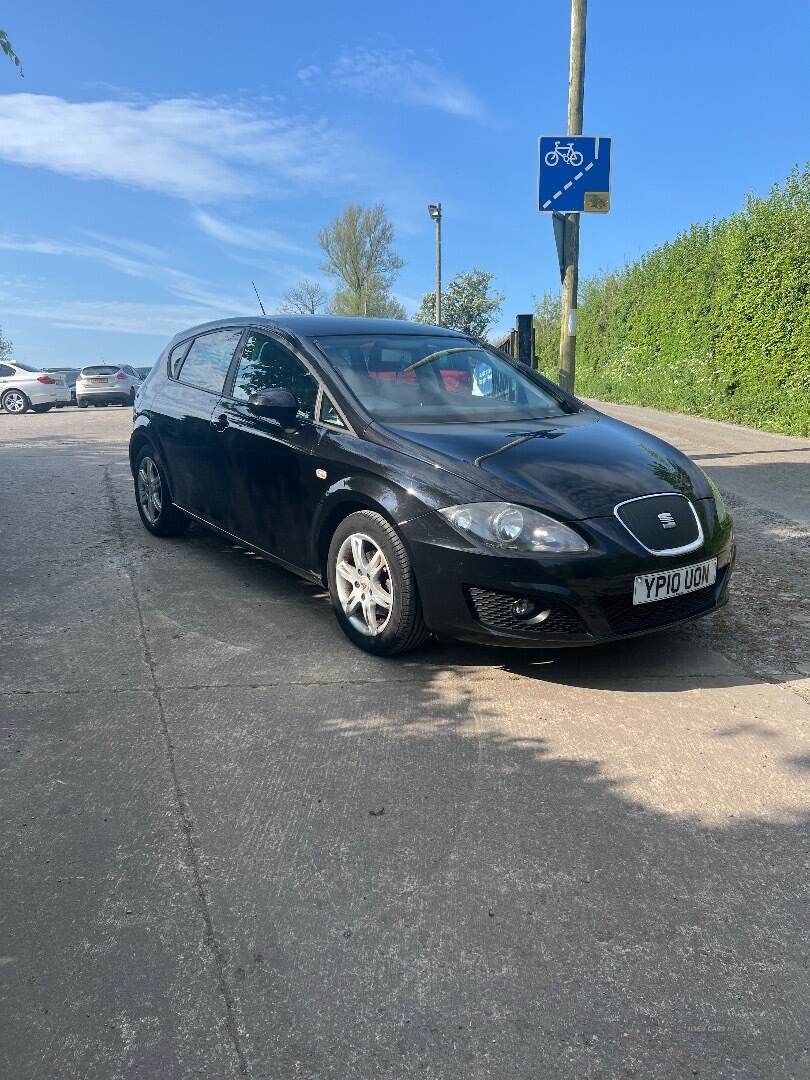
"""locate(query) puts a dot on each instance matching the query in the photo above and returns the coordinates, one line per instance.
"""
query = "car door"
(272, 486)
(193, 455)
(6, 375)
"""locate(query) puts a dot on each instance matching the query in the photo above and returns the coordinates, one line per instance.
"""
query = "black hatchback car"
(430, 482)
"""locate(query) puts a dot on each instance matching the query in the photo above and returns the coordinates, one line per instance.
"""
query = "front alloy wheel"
(15, 401)
(364, 586)
(372, 586)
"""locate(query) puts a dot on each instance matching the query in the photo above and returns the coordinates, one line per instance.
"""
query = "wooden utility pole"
(576, 94)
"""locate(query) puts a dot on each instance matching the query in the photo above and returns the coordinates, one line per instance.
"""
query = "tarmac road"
(233, 845)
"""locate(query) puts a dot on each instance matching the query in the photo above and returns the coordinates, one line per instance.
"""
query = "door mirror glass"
(278, 405)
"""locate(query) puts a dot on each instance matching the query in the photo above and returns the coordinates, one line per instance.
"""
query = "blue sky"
(156, 157)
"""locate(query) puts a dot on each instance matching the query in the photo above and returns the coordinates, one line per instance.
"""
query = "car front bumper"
(469, 593)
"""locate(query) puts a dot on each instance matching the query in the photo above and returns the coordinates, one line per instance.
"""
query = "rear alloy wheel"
(15, 401)
(158, 514)
(372, 586)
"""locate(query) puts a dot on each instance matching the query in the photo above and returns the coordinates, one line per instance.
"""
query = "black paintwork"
(254, 477)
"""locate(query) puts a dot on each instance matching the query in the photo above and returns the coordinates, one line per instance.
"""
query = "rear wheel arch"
(138, 440)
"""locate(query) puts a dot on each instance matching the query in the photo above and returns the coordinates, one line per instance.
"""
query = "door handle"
(220, 421)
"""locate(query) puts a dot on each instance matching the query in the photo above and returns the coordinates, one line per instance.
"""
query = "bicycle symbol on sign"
(564, 152)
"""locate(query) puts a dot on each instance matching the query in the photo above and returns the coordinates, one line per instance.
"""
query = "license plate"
(665, 583)
(96, 382)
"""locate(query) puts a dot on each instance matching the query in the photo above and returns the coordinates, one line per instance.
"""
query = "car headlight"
(515, 528)
(723, 513)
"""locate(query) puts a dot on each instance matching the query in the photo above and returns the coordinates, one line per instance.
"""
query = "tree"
(359, 250)
(467, 304)
(380, 303)
(547, 315)
(5, 45)
(6, 347)
(305, 298)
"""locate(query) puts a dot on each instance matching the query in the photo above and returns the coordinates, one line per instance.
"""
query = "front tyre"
(158, 514)
(372, 586)
(83, 403)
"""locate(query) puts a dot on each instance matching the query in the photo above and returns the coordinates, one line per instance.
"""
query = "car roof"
(314, 326)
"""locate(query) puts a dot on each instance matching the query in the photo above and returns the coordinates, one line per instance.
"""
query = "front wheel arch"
(331, 523)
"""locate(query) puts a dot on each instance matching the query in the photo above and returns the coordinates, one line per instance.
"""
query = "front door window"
(266, 364)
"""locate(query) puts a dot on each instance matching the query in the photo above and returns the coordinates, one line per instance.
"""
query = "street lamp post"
(435, 211)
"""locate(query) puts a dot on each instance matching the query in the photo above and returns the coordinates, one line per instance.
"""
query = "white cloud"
(259, 238)
(151, 268)
(400, 76)
(147, 320)
(310, 73)
(198, 149)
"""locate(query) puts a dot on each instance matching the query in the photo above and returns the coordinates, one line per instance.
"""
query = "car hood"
(575, 466)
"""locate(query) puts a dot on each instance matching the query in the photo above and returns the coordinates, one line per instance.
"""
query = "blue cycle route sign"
(574, 174)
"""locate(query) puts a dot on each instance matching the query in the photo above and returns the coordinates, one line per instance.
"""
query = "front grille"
(494, 609)
(625, 617)
(660, 522)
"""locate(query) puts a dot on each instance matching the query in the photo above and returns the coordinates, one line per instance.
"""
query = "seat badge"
(667, 520)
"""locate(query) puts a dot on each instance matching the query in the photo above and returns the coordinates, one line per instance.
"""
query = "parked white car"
(24, 387)
(107, 384)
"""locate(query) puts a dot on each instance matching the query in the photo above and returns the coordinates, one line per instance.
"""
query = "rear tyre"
(41, 408)
(15, 402)
(372, 585)
(158, 514)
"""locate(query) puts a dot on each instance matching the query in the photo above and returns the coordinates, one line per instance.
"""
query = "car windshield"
(100, 369)
(420, 378)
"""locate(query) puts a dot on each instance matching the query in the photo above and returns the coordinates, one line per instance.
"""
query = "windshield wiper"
(435, 355)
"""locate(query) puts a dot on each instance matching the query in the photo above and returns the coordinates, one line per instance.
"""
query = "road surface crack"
(211, 940)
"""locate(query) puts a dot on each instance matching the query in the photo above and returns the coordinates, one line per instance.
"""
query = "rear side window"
(208, 360)
(5, 371)
(176, 358)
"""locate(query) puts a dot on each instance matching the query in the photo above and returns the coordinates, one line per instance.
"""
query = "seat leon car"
(432, 484)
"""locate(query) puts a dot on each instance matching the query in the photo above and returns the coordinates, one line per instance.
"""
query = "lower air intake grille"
(626, 618)
(495, 609)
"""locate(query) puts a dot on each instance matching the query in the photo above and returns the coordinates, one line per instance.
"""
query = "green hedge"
(716, 323)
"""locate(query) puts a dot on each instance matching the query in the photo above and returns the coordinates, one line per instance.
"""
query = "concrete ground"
(233, 845)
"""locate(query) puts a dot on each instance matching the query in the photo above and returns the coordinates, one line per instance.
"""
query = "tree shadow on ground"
(437, 890)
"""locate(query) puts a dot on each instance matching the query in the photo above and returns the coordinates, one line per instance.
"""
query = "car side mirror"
(281, 405)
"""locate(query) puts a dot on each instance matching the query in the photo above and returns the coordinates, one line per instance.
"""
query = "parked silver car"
(107, 384)
(24, 387)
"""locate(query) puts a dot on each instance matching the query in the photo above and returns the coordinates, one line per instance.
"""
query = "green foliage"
(359, 252)
(715, 323)
(375, 301)
(468, 304)
(5, 45)
(6, 348)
